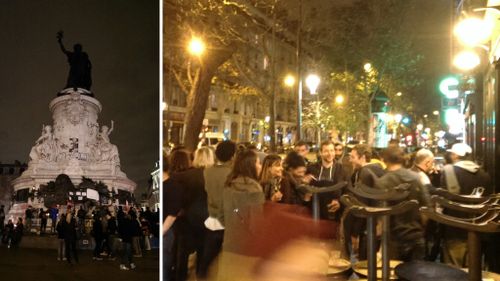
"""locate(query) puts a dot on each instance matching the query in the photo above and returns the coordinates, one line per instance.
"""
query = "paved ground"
(41, 264)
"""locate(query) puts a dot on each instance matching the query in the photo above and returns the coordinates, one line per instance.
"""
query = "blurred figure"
(259, 153)
(302, 148)
(61, 249)
(2, 219)
(126, 231)
(8, 232)
(270, 177)
(97, 233)
(339, 151)
(18, 233)
(53, 211)
(28, 215)
(243, 203)
(173, 198)
(215, 178)
(191, 235)
(293, 177)
(69, 230)
(43, 220)
(423, 165)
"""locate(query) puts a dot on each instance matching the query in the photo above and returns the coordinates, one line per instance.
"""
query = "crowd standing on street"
(214, 197)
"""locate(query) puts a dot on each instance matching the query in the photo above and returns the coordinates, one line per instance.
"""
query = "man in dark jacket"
(327, 172)
(461, 177)
(365, 173)
(407, 229)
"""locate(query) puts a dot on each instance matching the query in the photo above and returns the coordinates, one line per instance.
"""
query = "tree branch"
(179, 81)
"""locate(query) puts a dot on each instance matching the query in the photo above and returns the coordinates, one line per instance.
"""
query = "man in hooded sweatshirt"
(461, 177)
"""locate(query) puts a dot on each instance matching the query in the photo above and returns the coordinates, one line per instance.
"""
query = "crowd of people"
(117, 232)
(214, 197)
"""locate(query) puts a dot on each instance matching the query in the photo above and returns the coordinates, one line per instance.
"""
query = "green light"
(446, 84)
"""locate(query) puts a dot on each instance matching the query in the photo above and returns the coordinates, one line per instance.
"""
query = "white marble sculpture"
(46, 146)
(75, 145)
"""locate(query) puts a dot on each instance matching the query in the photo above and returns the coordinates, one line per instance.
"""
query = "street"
(41, 264)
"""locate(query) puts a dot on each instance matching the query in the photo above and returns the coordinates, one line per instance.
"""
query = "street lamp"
(399, 94)
(339, 99)
(435, 112)
(466, 60)
(473, 31)
(312, 82)
(289, 80)
(196, 46)
(398, 117)
(367, 67)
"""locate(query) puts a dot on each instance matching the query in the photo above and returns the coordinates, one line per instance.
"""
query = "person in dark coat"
(407, 229)
(8, 232)
(43, 220)
(366, 173)
(2, 218)
(191, 226)
(17, 233)
(295, 170)
(61, 247)
(97, 233)
(69, 229)
(126, 232)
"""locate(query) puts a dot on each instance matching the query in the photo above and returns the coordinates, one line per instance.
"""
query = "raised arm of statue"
(112, 127)
(60, 35)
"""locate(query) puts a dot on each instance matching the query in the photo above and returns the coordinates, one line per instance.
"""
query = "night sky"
(122, 40)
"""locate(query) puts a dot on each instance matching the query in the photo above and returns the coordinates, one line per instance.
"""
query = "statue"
(103, 150)
(80, 66)
(46, 146)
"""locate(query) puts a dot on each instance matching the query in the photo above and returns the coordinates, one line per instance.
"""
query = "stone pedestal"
(75, 145)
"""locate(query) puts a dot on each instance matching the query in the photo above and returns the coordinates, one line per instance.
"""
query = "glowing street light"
(289, 80)
(196, 46)
(435, 112)
(339, 99)
(399, 94)
(367, 67)
(466, 60)
(312, 82)
(398, 117)
(473, 31)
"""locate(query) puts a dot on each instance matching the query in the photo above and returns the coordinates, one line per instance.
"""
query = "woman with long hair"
(243, 202)
(270, 177)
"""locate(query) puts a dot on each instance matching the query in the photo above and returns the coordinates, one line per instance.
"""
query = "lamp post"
(312, 82)
(368, 68)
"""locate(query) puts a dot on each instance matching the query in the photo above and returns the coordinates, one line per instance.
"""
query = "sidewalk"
(41, 264)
